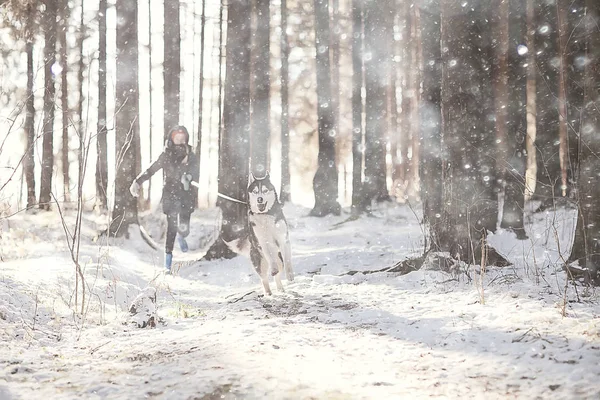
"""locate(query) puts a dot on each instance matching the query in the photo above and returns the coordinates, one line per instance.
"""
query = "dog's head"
(262, 195)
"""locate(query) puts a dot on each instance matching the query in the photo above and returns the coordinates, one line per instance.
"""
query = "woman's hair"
(175, 130)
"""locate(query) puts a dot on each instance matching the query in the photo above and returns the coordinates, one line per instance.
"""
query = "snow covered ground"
(338, 332)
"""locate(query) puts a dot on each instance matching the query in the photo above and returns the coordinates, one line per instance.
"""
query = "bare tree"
(325, 181)
(47, 167)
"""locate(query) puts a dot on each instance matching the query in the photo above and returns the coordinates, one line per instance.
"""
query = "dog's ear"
(251, 179)
(267, 176)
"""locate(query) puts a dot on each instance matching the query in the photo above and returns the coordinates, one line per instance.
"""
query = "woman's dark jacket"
(174, 198)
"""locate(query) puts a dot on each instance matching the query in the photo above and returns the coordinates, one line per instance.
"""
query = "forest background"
(469, 108)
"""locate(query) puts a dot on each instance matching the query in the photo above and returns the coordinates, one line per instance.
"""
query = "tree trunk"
(49, 26)
(201, 88)
(259, 125)
(335, 81)
(575, 70)
(394, 135)
(285, 193)
(397, 71)
(415, 83)
(570, 90)
(64, 97)
(29, 160)
(101, 145)
(469, 197)
(516, 121)
(80, 125)
(171, 64)
(221, 94)
(358, 205)
(431, 168)
(376, 80)
(220, 105)
(405, 28)
(126, 123)
(586, 247)
(148, 202)
(548, 183)
(562, 95)
(234, 151)
(499, 71)
(531, 172)
(325, 181)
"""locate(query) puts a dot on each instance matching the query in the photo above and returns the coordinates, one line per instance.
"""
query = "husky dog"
(266, 239)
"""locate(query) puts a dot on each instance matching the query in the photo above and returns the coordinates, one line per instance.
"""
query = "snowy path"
(330, 336)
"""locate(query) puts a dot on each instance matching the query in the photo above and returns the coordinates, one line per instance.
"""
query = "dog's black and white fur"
(266, 240)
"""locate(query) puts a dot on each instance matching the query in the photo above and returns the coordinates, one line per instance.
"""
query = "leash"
(230, 198)
(196, 184)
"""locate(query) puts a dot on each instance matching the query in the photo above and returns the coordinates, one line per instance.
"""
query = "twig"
(349, 219)
(97, 347)
(522, 336)
(240, 298)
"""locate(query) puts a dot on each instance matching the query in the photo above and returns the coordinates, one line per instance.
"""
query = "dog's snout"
(259, 200)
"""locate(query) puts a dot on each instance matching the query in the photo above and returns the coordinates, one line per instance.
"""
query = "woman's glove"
(134, 189)
(185, 180)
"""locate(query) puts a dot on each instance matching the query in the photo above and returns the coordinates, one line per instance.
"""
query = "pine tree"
(586, 246)
(285, 193)
(469, 198)
(260, 98)
(171, 64)
(47, 166)
(358, 204)
(234, 150)
(101, 145)
(127, 149)
(514, 157)
(325, 181)
(376, 111)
